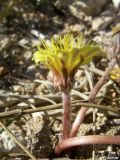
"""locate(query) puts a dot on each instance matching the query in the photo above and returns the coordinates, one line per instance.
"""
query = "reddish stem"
(78, 121)
(102, 80)
(95, 90)
(85, 140)
(66, 113)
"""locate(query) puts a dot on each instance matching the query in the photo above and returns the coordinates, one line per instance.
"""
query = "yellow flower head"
(115, 74)
(63, 56)
(116, 29)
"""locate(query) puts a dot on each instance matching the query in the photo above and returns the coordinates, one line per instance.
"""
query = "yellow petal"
(38, 57)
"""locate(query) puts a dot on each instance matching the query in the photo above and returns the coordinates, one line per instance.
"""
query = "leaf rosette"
(63, 56)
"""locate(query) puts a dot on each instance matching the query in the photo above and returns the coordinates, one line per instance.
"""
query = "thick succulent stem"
(78, 121)
(66, 113)
(85, 140)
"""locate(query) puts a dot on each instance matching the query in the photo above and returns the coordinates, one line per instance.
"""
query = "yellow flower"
(115, 74)
(63, 56)
(116, 29)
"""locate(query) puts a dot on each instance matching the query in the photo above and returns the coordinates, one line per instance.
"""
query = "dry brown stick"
(5, 94)
(48, 98)
(19, 112)
(96, 71)
(16, 141)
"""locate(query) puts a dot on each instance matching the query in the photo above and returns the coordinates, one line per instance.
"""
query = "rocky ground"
(24, 85)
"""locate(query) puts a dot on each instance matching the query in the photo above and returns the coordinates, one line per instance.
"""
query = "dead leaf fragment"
(3, 70)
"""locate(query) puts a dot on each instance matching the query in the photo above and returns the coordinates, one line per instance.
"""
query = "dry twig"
(16, 141)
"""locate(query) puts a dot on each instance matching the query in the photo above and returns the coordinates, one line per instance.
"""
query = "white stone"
(89, 7)
(116, 3)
